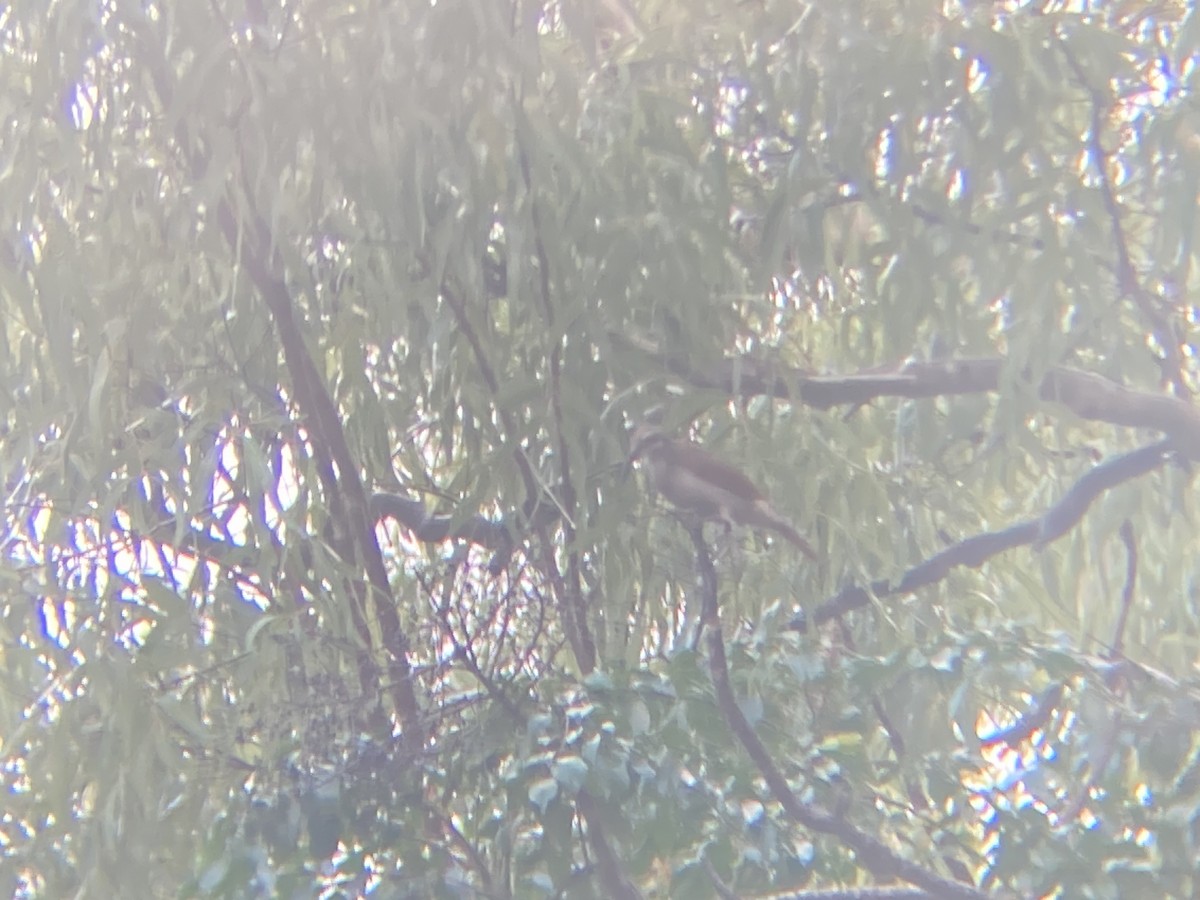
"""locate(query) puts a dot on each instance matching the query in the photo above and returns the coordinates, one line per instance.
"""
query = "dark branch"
(498, 536)
(354, 527)
(458, 307)
(1063, 515)
(429, 529)
(929, 217)
(1036, 717)
(1088, 395)
(616, 883)
(880, 859)
(978, 549)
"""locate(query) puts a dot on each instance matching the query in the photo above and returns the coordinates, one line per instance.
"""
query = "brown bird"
(693, 479)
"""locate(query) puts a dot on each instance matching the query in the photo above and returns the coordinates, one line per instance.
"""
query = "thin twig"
(1171, 365)
(1131, 567)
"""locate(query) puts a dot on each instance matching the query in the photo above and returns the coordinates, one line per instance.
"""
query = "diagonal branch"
(1037, 716)
(1171, 365)
(608, 865)
(354, 527)
(534, 500)
(978, 549)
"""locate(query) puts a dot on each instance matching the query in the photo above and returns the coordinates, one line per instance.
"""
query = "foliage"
(324, 570)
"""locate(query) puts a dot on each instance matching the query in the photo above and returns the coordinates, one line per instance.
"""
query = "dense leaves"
(324, 569)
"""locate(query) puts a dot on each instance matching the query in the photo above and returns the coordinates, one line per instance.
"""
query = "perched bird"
(692, 479)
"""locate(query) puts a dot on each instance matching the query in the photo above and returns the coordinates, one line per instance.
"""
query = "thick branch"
(345, 488)
(1088, 395)
(978, 549)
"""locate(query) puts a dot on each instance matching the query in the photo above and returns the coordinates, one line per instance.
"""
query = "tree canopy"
(326, 570)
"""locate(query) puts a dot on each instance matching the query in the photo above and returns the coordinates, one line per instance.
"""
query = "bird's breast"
(687, 490)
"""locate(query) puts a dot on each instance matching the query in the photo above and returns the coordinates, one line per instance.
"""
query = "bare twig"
(1114, 678)
(916, 793)
(1104, 745)
(471, 852)
(571, 607)
(1131, 567)
(1004, 237)
(458, 307)
(721, 889)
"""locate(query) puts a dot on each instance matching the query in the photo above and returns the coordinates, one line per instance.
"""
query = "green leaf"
(542, 792)
(570, 772)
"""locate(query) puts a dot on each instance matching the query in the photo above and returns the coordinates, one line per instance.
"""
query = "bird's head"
(647, 440)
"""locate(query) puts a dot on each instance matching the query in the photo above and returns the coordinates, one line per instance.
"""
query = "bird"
(693, 479)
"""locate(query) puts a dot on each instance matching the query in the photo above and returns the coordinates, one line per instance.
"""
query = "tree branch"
(880, 859)
(344, 489)
(616, 883)
(458, 307)
(1037, 716)
(1171, 363)
(1088, 395)
(1116, 648)
(479, 530)
(978, 549)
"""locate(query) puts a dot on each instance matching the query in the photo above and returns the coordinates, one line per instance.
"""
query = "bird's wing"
(709, 468)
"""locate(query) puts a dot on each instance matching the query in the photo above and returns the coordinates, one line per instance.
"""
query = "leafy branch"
(884, 862)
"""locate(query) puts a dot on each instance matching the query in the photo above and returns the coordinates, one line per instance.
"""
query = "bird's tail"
(768, 518)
